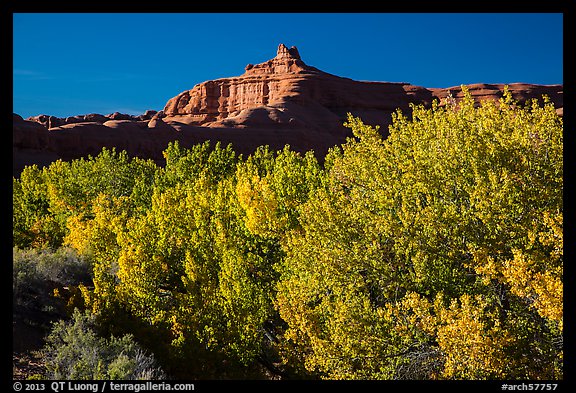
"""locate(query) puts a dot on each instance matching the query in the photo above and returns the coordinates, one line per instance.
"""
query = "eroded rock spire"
(283, 52)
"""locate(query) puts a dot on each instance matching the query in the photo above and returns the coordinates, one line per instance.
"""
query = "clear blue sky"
(70, 64)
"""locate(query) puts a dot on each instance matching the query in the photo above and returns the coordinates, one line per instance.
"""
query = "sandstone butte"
(278, 102)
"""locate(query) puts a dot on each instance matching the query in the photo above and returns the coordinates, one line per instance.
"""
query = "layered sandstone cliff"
(281, 101)
(285, 92)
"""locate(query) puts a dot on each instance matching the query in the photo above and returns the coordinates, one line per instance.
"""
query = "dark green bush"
(36, 272)
(75, 351)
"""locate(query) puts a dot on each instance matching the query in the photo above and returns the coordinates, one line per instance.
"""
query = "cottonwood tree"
(436, 253)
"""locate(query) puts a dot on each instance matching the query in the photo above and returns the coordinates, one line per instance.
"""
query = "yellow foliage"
(472, 340)
(260, 203)
(80, 233)
(544, 288)
(534, 272)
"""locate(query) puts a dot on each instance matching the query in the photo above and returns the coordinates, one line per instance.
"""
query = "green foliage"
(269, 189)
(44, 200)
(36, 273)
(32, 223)
(201, 160)
(195, 266)
(74, 351)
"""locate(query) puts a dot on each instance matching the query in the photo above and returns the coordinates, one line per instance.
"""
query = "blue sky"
(69, 64)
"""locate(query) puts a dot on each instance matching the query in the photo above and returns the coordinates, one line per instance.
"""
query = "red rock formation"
(285, 92)
(281, 101)
(30, 144)
(521, 92)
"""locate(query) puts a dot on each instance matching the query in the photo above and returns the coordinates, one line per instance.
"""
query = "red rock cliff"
(286, 91)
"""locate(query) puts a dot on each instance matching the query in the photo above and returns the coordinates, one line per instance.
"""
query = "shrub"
(75, 351)
(36, 272)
